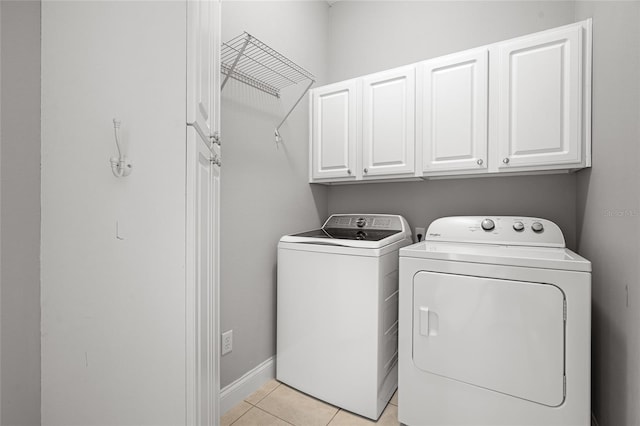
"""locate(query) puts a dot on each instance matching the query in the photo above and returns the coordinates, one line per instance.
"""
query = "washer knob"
(518, 226)
(361, 222)
(488, 224)
(537, 227)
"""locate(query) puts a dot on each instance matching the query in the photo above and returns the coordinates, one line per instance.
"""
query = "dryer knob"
(537, 227)
(518, 226)
(488, 224)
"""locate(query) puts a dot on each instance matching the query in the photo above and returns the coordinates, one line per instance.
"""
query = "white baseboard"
(594, 421)
(253, 380)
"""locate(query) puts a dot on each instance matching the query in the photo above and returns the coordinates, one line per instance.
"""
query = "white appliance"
(495, 325)
(337, 314)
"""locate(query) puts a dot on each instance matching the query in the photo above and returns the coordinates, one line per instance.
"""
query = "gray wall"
(264, 189)
(113, 306)
(20, 212)
(608, 206)
(549, 196)
(371, 36)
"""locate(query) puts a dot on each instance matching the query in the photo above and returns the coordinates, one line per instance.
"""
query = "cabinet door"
(540, 99)
(388, 122)
(202, 294)
(203, 64)
(454, 113)
(334, 131)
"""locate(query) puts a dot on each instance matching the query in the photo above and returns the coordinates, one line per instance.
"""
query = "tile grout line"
(294, 424)
(243, 414)
(338, 409)
(277, 417)
(259, 409)
(256, 406)
(260, 400)
(334, 416)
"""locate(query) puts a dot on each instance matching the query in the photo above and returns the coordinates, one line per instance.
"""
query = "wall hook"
(120, 165)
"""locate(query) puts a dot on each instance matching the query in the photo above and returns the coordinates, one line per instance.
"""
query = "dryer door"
(506, 336)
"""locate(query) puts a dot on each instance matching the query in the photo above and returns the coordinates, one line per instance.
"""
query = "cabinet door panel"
(334, 131)
(540, 99)
(455, 112)
(389, 122)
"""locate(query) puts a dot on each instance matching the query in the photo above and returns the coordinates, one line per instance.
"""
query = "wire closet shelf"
(250, 61)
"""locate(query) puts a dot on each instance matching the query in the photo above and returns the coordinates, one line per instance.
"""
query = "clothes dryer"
(495, 325)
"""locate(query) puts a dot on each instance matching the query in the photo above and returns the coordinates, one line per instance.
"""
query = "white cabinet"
(455, 113)
(388, 122)
(334, 131)
(364, 128)
(202, 213)
(521, 105)
(541, 84)
(203, 65)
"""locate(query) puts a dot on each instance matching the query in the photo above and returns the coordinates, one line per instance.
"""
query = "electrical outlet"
(227, 342)
(419, 234)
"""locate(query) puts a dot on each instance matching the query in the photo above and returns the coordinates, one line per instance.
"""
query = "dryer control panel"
(503, 230)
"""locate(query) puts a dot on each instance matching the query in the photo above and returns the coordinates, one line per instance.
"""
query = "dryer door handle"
(429, 322)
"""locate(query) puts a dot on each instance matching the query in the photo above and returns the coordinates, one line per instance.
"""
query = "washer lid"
(348, 234)
(531, 257)
(356, 230)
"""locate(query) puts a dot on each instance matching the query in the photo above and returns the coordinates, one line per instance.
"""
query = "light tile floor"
(277, 404)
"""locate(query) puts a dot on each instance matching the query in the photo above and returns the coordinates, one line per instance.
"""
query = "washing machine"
(337, 310)
(495, 325)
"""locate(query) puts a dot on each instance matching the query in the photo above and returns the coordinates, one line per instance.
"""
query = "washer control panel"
(362, 221)
(505, 230)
